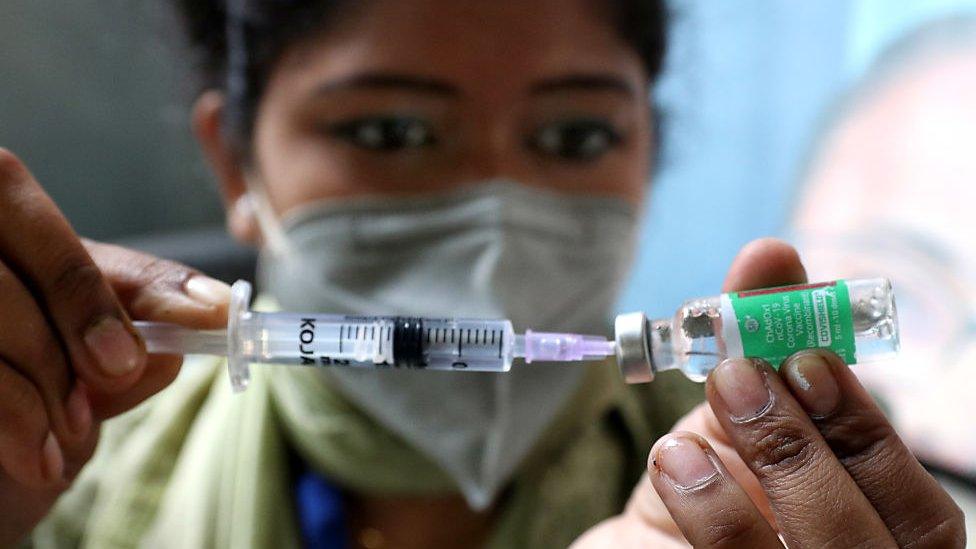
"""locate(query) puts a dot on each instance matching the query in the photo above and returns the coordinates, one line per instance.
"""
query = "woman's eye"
(385, 133)
(579, 140)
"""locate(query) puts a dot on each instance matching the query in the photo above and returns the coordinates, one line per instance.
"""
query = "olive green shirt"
(197, 466)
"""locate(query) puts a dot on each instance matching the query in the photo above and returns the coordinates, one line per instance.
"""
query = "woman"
(421, 157)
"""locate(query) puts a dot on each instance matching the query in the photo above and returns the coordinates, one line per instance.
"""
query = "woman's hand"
(69, 356)
(803, 455)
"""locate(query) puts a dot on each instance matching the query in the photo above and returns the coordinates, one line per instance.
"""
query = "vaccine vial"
(854, 318)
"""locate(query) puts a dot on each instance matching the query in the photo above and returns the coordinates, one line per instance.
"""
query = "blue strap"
(320, 512)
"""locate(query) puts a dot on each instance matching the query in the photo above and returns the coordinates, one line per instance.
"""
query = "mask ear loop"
(272, 231)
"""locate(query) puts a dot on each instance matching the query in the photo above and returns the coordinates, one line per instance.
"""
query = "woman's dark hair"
(237, 42)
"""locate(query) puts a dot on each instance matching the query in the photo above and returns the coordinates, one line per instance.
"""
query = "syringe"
(472, 345)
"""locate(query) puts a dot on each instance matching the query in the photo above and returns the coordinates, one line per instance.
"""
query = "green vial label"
(775, 323)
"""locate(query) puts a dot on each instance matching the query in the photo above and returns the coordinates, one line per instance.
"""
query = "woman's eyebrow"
(389, 81)
(584, 82)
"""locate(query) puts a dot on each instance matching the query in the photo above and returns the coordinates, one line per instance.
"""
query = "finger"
(29, 451)
(32, 504)
(702, 420)
(622, 531)
(646, 506)
(765, 263)
(705, 501)
(165, 291)
(161, 370)
(868, 447)
(28, 345)
(156, 289)
(78, 452)
(814, 499)
(32, 501)
(39, 245)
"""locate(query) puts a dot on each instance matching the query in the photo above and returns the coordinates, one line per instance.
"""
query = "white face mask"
(545, 260)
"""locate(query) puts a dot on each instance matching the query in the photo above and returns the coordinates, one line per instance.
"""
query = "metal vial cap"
(633, 349)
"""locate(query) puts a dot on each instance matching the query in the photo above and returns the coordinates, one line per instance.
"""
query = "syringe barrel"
(376, 341)
(475, 345)
(316, 340)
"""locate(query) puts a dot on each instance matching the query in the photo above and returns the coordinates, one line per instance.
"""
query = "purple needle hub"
(559, 347)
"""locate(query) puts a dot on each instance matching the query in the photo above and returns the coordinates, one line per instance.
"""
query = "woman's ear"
(226, 166)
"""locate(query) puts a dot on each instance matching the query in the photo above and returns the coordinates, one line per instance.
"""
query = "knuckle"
(23, 409)
(132, 271)
(857, 439)
(76, 276)
(865, 543)
(165, 273)
(950, 531)
(78, 456)
(731, 527)
(782, 448)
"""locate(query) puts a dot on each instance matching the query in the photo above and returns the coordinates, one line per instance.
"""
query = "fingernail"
(79, 411)
(684, 462)
(742, 387)
(813, 384)
(207, 291)
(114, 347)
(53, 459)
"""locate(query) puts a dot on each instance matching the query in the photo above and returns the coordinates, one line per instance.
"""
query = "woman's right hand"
(69, 356)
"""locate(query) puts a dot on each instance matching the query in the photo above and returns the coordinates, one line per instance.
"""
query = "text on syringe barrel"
(377, 342)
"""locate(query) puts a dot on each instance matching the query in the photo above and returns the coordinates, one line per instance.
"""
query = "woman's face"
(415, 96)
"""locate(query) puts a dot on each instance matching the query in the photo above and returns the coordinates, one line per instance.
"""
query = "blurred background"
(845, 126)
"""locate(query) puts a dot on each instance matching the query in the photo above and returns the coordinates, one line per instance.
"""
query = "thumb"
(764, 263)
(701, 420)
(156, 289)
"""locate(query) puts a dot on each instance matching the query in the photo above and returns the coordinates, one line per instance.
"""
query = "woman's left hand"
(802, 455)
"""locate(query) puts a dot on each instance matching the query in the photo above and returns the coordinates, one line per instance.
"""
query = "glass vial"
(854, 318)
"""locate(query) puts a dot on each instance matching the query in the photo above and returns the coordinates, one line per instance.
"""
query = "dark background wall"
(93, 96)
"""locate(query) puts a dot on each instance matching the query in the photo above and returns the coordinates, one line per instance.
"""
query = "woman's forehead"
(470, 42)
